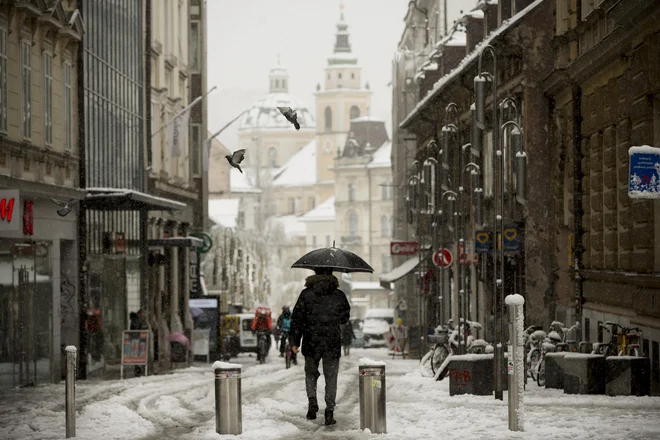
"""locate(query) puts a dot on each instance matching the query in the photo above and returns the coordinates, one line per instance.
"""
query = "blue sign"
(511, 239)
(483, 242)
(644, 173)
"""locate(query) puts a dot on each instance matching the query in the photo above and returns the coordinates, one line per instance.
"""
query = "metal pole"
(516, 361)
(70, 386)
(228, 405)
(373, 414)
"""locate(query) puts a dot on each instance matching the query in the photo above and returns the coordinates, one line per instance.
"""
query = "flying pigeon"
(236, 158)
(290, 116)
(65, 206)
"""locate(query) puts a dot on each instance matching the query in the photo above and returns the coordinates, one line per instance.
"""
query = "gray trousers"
(330, 372)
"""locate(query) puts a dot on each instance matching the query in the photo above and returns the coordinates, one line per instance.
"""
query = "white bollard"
(228, 405)
(70, 386)
(516, 361)
(373, 414)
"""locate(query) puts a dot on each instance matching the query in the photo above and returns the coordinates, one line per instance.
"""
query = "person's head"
(286, 310)
(323, 271)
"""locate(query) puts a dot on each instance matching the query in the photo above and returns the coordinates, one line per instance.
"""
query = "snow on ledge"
(218, 365)
(368, 362)
(582, 355)
(646, 149)
(514, 300)
(71, 349)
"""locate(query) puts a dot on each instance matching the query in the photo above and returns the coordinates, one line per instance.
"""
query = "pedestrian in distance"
(347, 337)
(316, 320)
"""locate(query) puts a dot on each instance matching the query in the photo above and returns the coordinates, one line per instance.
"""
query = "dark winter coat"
(347, 334)
(318, 315)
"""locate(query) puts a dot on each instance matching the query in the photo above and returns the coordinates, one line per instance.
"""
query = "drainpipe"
(370, 219)
(577, 199)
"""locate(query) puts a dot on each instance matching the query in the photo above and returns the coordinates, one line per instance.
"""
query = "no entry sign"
(443, 258)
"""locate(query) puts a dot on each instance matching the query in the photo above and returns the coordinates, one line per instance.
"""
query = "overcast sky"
(244, 38)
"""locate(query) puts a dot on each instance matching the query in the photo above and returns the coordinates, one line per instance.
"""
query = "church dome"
(263, 114)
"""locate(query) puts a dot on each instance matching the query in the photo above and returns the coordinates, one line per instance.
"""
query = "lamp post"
(432, 162)
(499, 190)
(474, 169)
(480, 120)
(451, 196)
(414, 188)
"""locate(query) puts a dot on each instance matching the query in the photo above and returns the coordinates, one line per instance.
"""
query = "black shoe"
(312, 409)
(329, 419)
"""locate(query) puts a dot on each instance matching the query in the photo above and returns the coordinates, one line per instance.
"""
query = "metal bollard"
(372, 396)
(70, 386)
(498, 363)
(516, 360)
(228, 405)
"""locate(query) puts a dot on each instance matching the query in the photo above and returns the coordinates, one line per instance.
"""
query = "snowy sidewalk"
(181, 406)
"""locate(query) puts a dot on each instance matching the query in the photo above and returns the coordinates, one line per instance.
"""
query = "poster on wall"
(644, 172)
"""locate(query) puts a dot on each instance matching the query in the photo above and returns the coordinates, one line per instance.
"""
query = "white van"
(248, 339)
(377, 323)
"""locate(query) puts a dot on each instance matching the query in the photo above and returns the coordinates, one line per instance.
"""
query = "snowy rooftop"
(322, 213)
(293, 227)
(265, 115)
(366, 285)
(224, 211)
(300, 170)
(401, 270)
(366, 118)
(472, 57)
(382, 157)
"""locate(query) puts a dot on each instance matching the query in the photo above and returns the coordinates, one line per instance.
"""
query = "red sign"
(28, 218)
(7, 209)
(443, 258)
(404, 248)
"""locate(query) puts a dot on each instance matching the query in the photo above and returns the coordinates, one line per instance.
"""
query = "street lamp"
(433, 163)
(480, 119)
(451, 196)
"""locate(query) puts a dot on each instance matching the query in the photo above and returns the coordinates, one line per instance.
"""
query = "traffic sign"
(443, 258)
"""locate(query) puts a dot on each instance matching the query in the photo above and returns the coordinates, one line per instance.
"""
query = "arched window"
(353, 225)
(351, 192)
(277, 83)
(272, 157)
(328, 119)
(355, 112)
(384, 226)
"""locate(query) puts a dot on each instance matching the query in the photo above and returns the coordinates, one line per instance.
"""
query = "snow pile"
(514, 300)
(368, 362)
(71, 348)
(218, 365)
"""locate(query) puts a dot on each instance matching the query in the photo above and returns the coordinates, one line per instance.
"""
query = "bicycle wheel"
(438, 357)
(287, 356)
(262, 350)
(540, 377)
(425, 364)
(533, 362)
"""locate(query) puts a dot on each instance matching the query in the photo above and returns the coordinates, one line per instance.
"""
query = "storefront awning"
(176, 242)
(399, 272)
(119, 199)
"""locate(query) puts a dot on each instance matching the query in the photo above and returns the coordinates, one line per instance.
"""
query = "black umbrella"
(333, 258)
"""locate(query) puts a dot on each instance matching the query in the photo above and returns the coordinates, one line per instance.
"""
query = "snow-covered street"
(181, 406)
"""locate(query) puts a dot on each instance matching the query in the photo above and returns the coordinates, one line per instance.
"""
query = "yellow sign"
(510, 234)
(482, 237)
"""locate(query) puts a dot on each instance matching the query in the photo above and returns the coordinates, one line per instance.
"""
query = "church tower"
(342, 98)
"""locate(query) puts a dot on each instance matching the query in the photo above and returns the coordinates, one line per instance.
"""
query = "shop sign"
(9, 201)
(28, 217)
(193, 265)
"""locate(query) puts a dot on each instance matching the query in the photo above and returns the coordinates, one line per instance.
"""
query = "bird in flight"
(65, 206)
(236, 158)
(290, 116)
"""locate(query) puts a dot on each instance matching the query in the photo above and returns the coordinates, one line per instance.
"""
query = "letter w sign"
(9, 200)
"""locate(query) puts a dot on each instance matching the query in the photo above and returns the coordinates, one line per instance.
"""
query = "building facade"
(604, 96)
(38, 163)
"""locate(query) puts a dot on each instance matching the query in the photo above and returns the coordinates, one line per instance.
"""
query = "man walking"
(316, 320)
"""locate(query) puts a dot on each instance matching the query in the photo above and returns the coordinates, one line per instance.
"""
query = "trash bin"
(372, 396)
(228, 405)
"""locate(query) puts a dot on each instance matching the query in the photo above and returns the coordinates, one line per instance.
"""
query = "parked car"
(358, 324)
(377, 323)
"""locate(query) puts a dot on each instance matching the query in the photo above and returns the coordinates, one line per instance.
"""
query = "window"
(195, 156)
(353, 225)
(351, 192)
(600, 331)
(284, 84)
(68, 106)
(277, 83)
(311, 203)
(339, 75)
(327, 241)
(194, 46)
(272, 157)
(386, 190)
(26, 89)
(240, 221)
(386, 262)
(166, 28)
(314, 241)
(352, 75)
(3, 80)
(328, 119)
(587, 329)
(292, 205)
(48, 98)
(385, 226)
(355, 112)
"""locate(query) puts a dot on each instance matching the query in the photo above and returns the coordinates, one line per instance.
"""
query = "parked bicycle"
(624, 341)
(558, 343)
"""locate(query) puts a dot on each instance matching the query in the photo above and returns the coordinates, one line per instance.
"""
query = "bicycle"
(559, 345)
(625, 342)
(262, 347)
